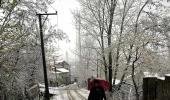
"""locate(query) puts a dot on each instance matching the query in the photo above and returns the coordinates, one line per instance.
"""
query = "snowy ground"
(70, 92)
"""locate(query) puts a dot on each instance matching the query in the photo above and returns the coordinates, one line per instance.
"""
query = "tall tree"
(20, 61)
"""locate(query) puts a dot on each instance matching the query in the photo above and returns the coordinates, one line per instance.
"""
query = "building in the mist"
(59, 73)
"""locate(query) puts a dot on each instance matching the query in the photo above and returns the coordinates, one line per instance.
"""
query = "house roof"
(60, 70)
(53, 72)
(61, 63)
(63, 70)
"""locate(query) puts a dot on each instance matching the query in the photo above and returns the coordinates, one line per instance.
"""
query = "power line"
(45, 20)
(52, 8)
(50, 5)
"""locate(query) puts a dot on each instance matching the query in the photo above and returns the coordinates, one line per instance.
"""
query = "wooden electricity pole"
(46, 95)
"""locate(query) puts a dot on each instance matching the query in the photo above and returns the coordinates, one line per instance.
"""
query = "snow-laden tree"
(20, 53)
(135, 35)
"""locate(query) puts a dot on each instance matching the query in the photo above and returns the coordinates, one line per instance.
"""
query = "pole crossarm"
(47, 13)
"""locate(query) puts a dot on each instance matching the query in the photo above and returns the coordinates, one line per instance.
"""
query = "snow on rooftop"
(167, 74)
(161, 78)
(156, 75)
(63, 70)
(60, 61)
(116, 81)
(149, 74)
(53, 72)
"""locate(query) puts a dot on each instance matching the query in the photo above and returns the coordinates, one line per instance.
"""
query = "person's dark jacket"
(97, 93)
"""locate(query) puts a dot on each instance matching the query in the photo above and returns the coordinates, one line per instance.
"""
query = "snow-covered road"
(70, 92)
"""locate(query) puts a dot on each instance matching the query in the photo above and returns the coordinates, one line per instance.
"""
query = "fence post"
(149, 88)
(167, 87)
(160, 90)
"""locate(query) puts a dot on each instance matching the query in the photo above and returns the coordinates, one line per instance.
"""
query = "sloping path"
(70, 92)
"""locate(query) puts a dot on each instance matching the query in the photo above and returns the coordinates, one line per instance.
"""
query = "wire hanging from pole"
(52, 8)
(50, 5)
(45, 20)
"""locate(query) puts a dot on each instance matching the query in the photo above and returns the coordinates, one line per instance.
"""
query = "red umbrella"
(103, 83)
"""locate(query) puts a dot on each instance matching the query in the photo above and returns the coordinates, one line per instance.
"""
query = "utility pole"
(46, 95)
(97, 66)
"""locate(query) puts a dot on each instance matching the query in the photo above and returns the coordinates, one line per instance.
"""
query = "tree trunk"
(109, 35)
(119, 44)
(127, 65)
(134, 82)
(103, 56)
(102, 43)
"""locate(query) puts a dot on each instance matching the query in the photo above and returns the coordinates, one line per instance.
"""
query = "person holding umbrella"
(97, 91)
